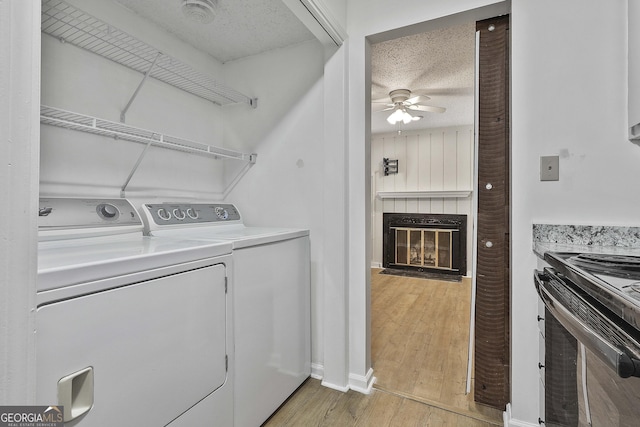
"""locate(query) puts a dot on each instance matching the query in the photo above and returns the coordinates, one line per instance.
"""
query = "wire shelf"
(71, 25)
(80, 122)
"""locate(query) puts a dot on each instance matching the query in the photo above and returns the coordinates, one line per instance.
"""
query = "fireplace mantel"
(423, 194)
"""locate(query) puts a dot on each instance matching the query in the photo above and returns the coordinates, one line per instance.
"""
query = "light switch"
(549, 168)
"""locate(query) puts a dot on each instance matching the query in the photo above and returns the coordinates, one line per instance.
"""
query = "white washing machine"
(272, 308)
(131, 330)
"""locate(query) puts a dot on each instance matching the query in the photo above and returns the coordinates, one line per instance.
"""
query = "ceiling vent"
(200, 11)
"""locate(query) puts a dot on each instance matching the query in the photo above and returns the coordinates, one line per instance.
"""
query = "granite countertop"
(541, 247)
(586, 239)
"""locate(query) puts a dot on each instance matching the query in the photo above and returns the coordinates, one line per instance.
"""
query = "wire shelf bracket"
(123, 114)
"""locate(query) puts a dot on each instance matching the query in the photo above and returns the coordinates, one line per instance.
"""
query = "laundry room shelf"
(80, 122)
(72, 25)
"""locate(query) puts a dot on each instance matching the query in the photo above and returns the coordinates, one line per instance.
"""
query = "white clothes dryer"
(272, 308)
(130, 329)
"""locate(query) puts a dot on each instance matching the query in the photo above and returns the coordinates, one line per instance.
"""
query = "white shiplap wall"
(439, 159)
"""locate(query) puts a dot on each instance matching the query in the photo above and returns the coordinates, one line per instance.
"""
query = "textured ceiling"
(438, 63)
(241, 27)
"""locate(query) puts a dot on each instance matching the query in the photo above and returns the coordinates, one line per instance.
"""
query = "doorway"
(402, 143)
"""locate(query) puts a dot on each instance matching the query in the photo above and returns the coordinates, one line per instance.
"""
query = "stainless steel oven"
(592, 339)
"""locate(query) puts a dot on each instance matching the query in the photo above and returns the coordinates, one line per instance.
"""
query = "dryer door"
(156, 348)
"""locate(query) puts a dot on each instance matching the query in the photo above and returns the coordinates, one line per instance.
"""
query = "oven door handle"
(611, 355)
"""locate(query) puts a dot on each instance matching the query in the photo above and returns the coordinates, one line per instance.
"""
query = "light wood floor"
(419, 352)
(420, 340)
(319, 406)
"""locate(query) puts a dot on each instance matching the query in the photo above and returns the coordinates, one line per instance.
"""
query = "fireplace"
(425, 243)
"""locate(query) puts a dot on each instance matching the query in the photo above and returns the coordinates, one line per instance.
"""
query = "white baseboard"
(512, 422)
(362, 384)
(343, 389)
(359, 383)
(317, 371)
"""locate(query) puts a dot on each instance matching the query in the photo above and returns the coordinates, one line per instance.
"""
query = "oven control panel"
(162, 214)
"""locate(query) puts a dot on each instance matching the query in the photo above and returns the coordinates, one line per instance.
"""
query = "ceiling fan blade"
(384, 109)
(418, 98)
(428, 108)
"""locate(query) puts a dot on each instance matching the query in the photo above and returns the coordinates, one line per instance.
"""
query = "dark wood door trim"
(492, 329)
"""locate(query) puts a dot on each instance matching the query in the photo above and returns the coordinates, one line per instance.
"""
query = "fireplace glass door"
(423, 247)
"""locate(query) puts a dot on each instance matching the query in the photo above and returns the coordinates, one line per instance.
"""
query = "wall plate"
(549, 168)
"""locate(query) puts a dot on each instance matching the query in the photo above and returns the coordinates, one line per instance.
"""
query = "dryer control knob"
(164, 214)
(107, 211)
(192, 213)
(221, 213)
(179, 214)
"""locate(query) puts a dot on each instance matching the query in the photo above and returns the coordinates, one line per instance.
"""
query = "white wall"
(435, 159)
(19, 150)
(366, 18)
(634, 63)
(338, 10)
(569, 96)
(75, 163)
(280, 79)
(285, 187)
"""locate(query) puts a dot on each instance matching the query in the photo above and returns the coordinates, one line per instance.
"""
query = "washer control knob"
(164, 214)
(179, 214)
(192, 213)
(222, 213)
(107, 211)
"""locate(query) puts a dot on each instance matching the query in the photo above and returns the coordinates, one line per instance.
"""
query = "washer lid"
(239, 235)
(74, 261)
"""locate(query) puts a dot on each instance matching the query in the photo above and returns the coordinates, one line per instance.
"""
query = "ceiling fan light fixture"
(402, 103)
(200, 11)
(401, 115)
(399, 95)
(396, 116)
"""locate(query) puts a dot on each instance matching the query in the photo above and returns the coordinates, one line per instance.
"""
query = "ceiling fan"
(402, 103)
